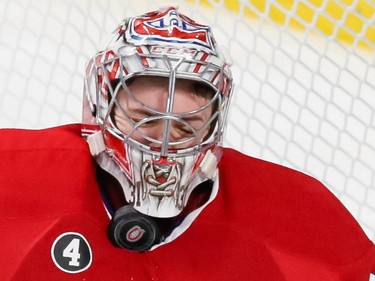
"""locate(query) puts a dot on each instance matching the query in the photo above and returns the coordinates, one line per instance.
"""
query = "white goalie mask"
(155, 107)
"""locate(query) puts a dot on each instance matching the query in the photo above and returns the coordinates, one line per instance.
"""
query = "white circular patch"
(71, 252)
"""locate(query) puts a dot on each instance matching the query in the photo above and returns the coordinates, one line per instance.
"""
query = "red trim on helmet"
(214, 77)
(164, 161)
(144, 59)
(118, 148)
(198, 66)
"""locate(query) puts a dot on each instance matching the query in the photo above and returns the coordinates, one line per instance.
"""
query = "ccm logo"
(160, 50)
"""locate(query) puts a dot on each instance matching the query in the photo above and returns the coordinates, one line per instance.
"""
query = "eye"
(134, 120)
(148, 123)
(184, 131)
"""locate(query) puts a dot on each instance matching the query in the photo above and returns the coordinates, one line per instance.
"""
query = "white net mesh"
(304, 72)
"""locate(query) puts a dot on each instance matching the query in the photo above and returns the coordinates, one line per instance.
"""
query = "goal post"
(304, 72)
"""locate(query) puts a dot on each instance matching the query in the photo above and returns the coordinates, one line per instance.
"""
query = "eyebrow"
(147, 113)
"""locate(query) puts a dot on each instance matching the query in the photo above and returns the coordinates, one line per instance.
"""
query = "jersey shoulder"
(40, 169)
(294, 214)
(61, 137)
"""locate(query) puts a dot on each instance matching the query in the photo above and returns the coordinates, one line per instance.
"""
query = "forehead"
(155, 82)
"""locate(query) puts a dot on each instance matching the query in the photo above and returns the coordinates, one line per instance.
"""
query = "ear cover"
(132, 230)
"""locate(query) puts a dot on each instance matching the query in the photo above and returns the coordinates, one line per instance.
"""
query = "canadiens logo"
(135, 233)
(169, 28)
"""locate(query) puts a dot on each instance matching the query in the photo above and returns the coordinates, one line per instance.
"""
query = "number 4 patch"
(71, 252)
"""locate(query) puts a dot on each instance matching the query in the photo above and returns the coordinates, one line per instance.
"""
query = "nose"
(155, 133)
(160, 134)
(150, 133)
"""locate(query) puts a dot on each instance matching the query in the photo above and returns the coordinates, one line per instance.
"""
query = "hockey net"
(304, 72)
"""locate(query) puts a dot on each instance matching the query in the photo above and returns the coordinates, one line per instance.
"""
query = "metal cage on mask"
(162, 173)
(166, 145)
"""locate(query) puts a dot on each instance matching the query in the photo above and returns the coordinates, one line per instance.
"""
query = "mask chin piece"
(133, 231)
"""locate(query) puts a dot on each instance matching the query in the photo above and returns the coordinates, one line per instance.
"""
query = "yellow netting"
(347, 21)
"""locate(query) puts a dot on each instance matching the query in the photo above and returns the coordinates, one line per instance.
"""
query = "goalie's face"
(151, 111)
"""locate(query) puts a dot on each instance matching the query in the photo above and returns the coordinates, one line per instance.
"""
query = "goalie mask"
(155, 105)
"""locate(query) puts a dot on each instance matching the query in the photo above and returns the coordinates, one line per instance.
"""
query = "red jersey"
(268, 222)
